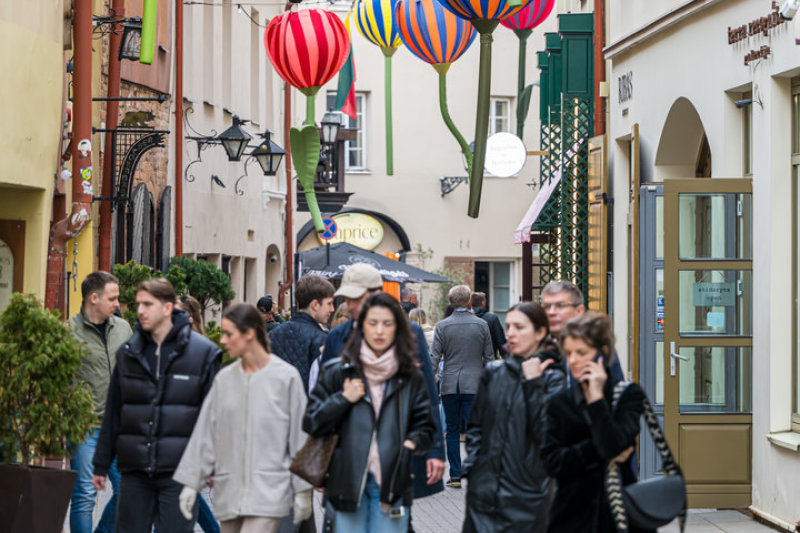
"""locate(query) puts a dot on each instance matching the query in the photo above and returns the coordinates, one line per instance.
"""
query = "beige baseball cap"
(358, 279)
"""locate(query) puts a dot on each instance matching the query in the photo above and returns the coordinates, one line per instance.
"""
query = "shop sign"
(505, 155)
(763, 26)
(357, 229)
(710, 294)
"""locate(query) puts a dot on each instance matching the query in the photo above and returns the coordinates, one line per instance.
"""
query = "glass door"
(707, 350)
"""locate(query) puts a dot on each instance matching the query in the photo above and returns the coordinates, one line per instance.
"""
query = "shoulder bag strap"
(614, 477)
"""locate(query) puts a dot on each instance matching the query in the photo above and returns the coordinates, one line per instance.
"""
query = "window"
(747, 148)
(355, 155)
(500, 293)
(499, 115)
(796, 254)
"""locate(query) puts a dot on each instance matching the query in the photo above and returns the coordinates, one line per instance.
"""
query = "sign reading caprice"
(358, 229)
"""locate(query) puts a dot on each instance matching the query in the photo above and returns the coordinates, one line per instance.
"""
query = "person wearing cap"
(358, 283)
(271, 320)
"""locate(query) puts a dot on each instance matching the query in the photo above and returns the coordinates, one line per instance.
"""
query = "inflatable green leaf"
(305, 148)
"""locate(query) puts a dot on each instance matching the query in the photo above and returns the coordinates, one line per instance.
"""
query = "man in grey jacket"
(464, 343)
(102, 333)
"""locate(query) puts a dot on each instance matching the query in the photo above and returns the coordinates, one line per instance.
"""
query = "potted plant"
(42, 409)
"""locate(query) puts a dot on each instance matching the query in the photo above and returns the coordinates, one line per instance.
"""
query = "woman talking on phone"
(508, 487)
(584, 433)
(376, 400)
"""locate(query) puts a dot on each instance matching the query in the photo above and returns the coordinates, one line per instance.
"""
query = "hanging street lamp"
(268, 154)
(235, 139)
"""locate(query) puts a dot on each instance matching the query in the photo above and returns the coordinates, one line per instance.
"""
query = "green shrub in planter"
(42, 405)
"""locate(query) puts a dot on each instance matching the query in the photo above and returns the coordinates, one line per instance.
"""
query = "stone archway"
(273, 270)
(683, 149)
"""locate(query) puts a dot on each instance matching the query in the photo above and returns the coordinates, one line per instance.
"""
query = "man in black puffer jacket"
(163, 373)
(300, 340)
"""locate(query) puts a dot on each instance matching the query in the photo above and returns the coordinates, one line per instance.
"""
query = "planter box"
(34, 499)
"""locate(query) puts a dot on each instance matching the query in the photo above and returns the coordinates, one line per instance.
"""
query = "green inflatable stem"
(388, 84)
(523, 45)
(305, 147)
(465, 149)
(485, 28)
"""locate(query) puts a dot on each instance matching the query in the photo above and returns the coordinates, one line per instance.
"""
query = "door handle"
(672, 356)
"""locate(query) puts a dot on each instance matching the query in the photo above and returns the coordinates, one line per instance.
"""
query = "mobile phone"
(598, 358)
(397, 512)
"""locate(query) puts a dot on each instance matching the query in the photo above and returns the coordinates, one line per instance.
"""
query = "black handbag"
(653, 503)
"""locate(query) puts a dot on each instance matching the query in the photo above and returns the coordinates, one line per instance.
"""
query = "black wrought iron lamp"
(268, 154)
(235, 139)
(330, 126)
(131, 39)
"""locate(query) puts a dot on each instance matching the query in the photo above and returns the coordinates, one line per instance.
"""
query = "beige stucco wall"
(31, 37)
(217, 220)
(668, 67)
(424, 150)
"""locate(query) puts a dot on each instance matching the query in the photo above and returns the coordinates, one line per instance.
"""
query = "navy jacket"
(298, 342)
(333, 348)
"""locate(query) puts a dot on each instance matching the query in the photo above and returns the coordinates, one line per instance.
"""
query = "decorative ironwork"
(564, 219)
(138, 143)
(236, 188)
(449, 183)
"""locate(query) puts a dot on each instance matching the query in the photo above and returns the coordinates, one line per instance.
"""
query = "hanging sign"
(357, 229)
(505, 155)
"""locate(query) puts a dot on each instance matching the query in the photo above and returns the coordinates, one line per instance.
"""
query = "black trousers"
(145, 501)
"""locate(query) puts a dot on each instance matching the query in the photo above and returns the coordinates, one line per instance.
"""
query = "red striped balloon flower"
(307, 48)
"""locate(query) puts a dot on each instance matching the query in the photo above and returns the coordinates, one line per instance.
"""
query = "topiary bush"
(210, 285)
(42, 405)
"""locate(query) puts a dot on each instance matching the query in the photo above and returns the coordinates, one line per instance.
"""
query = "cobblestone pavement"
(444, 513)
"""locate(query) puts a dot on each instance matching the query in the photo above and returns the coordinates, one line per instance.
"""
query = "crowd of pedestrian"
(532, 406)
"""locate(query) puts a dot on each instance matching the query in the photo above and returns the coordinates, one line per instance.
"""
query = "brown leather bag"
(312, 460)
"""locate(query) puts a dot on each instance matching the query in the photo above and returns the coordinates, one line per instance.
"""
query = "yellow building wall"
(32, 62)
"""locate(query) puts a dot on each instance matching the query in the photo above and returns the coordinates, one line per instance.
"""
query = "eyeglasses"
(560, 306)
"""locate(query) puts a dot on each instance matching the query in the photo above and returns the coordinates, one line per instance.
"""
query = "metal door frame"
(710, 493)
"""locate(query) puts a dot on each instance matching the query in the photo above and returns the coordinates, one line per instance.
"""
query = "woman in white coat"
(248, 430)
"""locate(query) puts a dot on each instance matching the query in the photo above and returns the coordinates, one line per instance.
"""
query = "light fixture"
(789, 9)
(234, 139)
(743, 103)
(131, 39)
(330, 125)
(268, 154)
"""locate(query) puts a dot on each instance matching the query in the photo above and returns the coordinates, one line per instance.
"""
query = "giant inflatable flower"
(307, 48)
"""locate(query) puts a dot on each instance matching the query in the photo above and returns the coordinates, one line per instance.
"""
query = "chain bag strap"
(652, 503)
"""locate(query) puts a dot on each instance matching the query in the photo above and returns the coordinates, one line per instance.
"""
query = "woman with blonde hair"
(259, 399)
(192, 306)
(421, 317)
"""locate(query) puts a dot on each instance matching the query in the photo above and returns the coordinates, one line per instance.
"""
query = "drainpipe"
(289, 257)
(112, 116)
(178, 102)
(79, 216)
(598, 42)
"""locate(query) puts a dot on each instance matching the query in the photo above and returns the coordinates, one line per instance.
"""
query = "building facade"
(703, 144)
(233, 215)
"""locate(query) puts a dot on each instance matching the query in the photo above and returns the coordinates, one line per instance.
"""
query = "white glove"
(186, 501)
(302, 506)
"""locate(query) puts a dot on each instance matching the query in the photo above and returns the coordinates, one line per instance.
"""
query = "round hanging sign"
(505, 155)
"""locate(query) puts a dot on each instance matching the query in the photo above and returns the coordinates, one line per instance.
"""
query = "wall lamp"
(743, 103)
(268, 155)
(131, 34)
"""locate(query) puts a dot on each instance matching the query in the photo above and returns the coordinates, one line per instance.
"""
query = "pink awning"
(523, 231)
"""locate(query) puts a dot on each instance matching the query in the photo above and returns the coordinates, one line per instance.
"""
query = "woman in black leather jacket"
(508, 489)
(376, 399)
(583, 434)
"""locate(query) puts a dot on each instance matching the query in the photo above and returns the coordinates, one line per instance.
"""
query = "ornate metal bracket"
(202, 141)
(236, 188)
(449, 183)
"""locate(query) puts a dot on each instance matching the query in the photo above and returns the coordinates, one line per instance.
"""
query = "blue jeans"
(456, 410)
(369, 518)
(84, 494)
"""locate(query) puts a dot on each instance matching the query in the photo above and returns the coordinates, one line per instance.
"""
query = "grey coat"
(464, 343)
